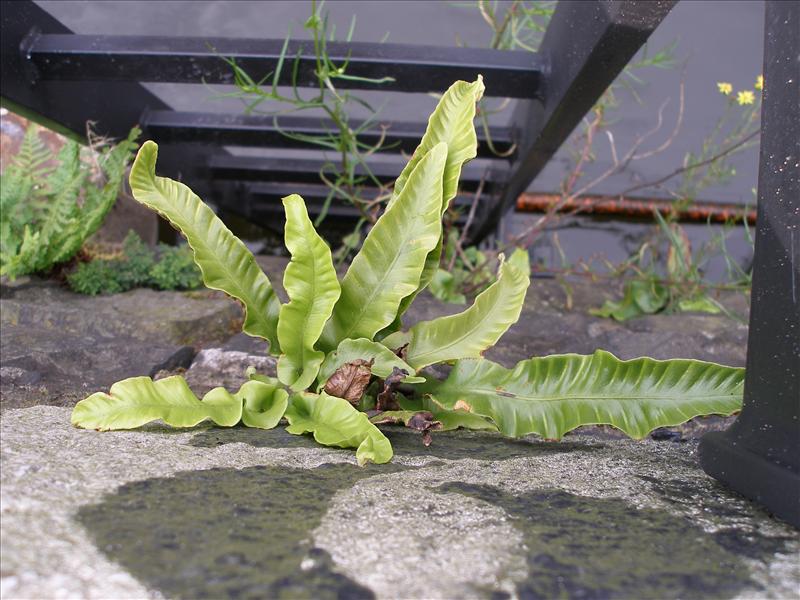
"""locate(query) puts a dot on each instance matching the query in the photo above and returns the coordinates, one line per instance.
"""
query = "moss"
(227, 533)
(582, 547)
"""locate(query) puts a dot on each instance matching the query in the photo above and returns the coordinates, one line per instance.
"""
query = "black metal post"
(759, 456)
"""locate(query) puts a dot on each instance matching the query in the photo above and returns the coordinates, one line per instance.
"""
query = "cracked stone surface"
(216, 512)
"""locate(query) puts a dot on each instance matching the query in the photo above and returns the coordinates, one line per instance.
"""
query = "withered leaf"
(402, 351)
(350, 380)
(423, 421)
(461, 405)
(386, 399)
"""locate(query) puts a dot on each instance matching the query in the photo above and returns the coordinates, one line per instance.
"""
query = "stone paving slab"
(223, 513)
(220, 513)
(58, 347)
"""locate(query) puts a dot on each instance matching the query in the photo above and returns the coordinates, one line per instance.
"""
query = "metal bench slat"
(261, 130)
(73, 57)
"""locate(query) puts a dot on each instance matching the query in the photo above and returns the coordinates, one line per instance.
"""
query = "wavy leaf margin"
(224, 260)
(555, 394)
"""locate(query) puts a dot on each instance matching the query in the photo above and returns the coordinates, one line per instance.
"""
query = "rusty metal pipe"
(638, 208)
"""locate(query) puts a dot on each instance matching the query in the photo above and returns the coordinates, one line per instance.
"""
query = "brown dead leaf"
(461, 405)
(423, 421)
(350, 380)
(402, 351)
(386, 399)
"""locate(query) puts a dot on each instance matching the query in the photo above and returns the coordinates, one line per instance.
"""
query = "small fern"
(50, 206)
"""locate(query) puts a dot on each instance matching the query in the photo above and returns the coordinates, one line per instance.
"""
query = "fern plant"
(48, 211)
(346, 364)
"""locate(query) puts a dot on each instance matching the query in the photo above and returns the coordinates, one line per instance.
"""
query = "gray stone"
(214, 512)
(57, 347)
(215, 367)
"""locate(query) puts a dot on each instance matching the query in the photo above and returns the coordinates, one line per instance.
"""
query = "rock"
(236, 512)
(127, 214)
(214, 367)
(58, 347)
(180, 360)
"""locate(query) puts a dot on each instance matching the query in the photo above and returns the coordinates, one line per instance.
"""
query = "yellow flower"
(759, 82)
(745, 97)
(724, 88)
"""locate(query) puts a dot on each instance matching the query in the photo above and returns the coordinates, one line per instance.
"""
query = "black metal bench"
(69, 78)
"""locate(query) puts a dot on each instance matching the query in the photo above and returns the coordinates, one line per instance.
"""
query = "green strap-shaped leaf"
(452, 124)
(552, 395)
(390, 262)
(226, 263)
(384, 360)
(469, 333)
(334, 422)
(313, 289)
(138, 400)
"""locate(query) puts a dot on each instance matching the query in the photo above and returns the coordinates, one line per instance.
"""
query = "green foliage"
(137, 266)
(175, 269)
(471, 332)
(48, 211)
(552, 395)
(334, 422)
(679, 288)
(138, 262)
(331, 335)
(313, 289)
(96, 277)
(467, 272)
(383, 361)
(390, 263)
(450, 124)
(139, 400)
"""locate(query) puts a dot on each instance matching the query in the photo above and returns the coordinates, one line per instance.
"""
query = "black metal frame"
(759, 456)
(68, 78)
